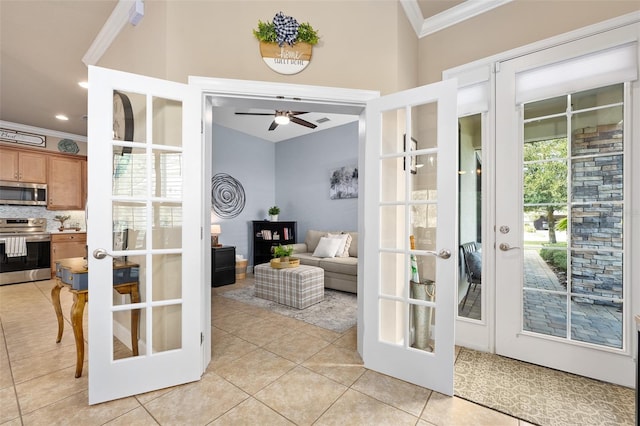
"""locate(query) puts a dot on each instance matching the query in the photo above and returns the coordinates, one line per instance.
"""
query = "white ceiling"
(42, 43)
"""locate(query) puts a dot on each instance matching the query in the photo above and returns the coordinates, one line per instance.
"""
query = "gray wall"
(293, 174)
(303, 168)
(249, 160)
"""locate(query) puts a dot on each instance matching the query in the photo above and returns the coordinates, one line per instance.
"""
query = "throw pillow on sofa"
(327, 247)
(343, 243)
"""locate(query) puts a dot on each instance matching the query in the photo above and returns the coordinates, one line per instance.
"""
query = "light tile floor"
(266, 370)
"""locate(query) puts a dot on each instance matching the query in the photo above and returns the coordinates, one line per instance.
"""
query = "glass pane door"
(573, 199)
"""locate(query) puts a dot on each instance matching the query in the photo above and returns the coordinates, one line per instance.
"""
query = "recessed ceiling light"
(83, 84)
(62, 117)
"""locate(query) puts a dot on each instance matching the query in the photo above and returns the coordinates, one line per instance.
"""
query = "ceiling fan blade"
(254, 113)
(273, 125)
(290, 113)
(302, 122)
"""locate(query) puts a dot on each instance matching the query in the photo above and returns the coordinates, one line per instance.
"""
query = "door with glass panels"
(562, 244)
(144, 234)
(410, 225)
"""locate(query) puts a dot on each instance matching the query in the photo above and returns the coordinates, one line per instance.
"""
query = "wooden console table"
(73, 273)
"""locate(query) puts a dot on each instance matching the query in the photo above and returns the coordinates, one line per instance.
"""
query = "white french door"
(144, 227)
(563, 189)
(410, 197)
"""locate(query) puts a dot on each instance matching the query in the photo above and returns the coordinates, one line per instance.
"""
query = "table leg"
(77, 311)
(55, 299)
(135, 319)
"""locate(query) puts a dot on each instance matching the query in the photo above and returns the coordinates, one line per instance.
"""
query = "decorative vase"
(274, 218)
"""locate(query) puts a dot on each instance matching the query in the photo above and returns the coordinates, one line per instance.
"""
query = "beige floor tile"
(261, 333)
(255, 370)
(444, 410)
(297, 346)
(354, 408)
(27, 368)
(8, 405)
(323, 333)
(137, 417)
(251, 412)
(38, 344)
(74, 410)
(342, 365)
(349, 339)
(405, 396)
(146, 397)
(44, 390)
(301, 395)
(228, 348)
(196, 403)
(235, 321)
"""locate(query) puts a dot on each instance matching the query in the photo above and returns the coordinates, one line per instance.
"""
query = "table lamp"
(215, 231)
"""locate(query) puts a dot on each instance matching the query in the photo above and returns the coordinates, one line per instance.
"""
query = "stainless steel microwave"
(24, 194)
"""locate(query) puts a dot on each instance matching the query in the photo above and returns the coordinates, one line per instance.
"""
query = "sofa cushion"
(327, 247)
(353, 248)
(308, 259)
(340, 265)
(347, 245)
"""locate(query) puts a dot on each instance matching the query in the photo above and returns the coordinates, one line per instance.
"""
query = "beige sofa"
(340, 273)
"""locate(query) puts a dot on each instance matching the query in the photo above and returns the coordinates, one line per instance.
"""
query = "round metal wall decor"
(227, 196)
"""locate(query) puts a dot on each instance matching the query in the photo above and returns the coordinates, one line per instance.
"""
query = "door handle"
(442, 254)
(506, 247)
(101, 253)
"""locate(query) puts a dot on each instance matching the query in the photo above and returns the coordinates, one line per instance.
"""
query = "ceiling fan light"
(282, 118)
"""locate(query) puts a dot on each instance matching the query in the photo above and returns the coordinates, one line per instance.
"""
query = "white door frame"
(337, 100)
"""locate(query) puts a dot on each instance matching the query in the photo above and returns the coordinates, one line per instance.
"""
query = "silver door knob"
(100, 253)
(442, 254)
(506, 247)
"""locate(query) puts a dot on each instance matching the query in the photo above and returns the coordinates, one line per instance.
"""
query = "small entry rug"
(540, 395)
(337, 312)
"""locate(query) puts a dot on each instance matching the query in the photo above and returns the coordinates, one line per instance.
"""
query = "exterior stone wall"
(596, 225)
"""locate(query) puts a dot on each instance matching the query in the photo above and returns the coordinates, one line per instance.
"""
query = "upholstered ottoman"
(298, 287)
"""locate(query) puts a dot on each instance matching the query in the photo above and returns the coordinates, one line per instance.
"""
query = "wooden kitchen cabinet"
(66, 183)
(22, 166)
(67, 245)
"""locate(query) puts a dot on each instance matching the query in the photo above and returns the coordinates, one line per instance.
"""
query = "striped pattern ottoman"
(299, 287)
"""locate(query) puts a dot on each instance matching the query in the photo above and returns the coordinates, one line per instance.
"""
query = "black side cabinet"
(223, 266)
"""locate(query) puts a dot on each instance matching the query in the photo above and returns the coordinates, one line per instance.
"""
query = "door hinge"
(201, 338)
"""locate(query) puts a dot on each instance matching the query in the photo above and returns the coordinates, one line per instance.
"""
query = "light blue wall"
(293, 174)
(303, 168)
(251, 161)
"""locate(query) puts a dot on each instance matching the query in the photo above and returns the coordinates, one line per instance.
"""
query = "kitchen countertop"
(68, 231)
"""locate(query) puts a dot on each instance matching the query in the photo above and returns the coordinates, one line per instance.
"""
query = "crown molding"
(110, 30)
(41, 131)
(455, 15)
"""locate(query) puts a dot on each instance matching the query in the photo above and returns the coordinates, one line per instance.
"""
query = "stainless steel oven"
(25, 250)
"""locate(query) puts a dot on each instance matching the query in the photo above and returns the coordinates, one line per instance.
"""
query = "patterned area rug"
(540, 395)
(337, 312)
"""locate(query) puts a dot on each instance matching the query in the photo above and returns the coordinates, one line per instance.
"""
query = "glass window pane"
(167, 276)
(166, 176)
(545, 107)
(392, 321)
(597, 178)
(129, 172)
(545, 313)
(545, 149)
(421, 321)
(392, 179)
(167, 122)
(595, 321)
(424, 218)
(596, 225)
(393, 270)
(392, 229)
(546, 268)
(393, 131)
(129, 116)
(129, 225)
(597, 97)
(128, 333)
(167, 328)
(545, 183)
(597, 273)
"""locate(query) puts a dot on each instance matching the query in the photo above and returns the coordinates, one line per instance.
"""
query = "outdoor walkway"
(546, 312)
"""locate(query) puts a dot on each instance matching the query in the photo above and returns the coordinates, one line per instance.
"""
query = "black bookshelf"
(269, 234)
